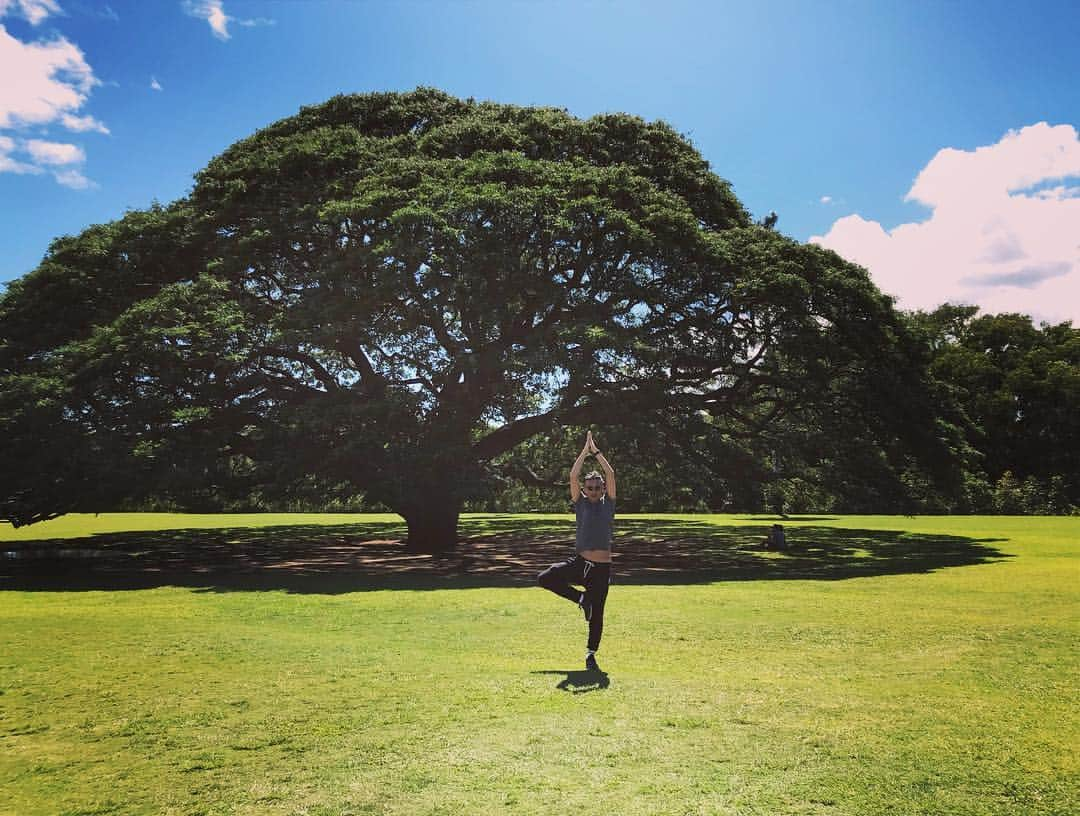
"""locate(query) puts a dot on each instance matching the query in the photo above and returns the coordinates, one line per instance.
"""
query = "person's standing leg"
(596, 590)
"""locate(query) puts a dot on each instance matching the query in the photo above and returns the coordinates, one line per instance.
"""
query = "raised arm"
(575, 471)
(609, 473)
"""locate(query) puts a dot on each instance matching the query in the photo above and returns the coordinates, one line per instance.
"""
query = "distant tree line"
(1016, 389)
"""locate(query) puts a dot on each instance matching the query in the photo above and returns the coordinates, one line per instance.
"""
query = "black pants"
(594, 576)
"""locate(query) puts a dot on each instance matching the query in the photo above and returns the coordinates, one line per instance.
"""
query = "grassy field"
(306, 665)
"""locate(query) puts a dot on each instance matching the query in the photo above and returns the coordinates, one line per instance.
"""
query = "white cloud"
(1003, 234)
(10, 165)
(81, 124)
(213, 12)
(54, 79)
(155, 85)
(58, 155)
(32, 10)
(826, 199)
(73, 179)
(52, 153)
(54, 82)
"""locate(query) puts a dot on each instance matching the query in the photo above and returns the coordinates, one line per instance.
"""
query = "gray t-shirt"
(594, 523)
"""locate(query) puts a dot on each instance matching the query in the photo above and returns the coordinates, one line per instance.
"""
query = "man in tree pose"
(591, 565)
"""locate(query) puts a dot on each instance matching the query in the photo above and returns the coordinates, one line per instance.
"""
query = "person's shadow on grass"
(579, 681)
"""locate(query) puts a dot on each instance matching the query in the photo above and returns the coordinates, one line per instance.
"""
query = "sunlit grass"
(949, 691)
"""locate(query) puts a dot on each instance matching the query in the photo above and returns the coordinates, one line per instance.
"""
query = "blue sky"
(934, 142)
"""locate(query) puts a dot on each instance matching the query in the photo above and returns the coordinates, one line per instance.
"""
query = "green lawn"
(304, 665)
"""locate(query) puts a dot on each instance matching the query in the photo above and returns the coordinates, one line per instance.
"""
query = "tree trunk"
(433, 525)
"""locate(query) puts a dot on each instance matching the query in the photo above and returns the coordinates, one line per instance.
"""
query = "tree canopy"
(387, 293)
(1018, 386)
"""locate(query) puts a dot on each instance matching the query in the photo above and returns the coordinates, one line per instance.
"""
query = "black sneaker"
(590, 663)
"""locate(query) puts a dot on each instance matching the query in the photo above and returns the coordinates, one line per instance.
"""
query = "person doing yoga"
(590, 567)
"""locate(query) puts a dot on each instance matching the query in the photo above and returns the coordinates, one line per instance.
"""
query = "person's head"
(594, 487)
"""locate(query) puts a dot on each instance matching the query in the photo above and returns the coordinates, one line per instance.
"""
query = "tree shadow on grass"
(495, 551)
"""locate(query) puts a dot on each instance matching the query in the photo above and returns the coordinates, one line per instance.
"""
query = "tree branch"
(324, 376)
(527, 476)
(372, 380)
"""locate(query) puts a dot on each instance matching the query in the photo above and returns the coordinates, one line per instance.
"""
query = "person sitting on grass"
(775, 540)
(590, 568)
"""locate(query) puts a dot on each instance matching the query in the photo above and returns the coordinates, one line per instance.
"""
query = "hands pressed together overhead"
(590, 449)
(590, 445)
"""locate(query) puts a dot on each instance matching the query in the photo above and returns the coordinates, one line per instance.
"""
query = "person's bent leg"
(557, 578)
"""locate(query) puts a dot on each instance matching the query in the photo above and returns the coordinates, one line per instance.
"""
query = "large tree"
(386, 292)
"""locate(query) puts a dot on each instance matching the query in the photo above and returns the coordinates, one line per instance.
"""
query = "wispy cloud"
(213, 11)
(33, 11)
(155, 85)
(74, 179)
(91, 8)
(1003, 231)
(10, 165)
(61, 159)
(825, 199)
(80, 124)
